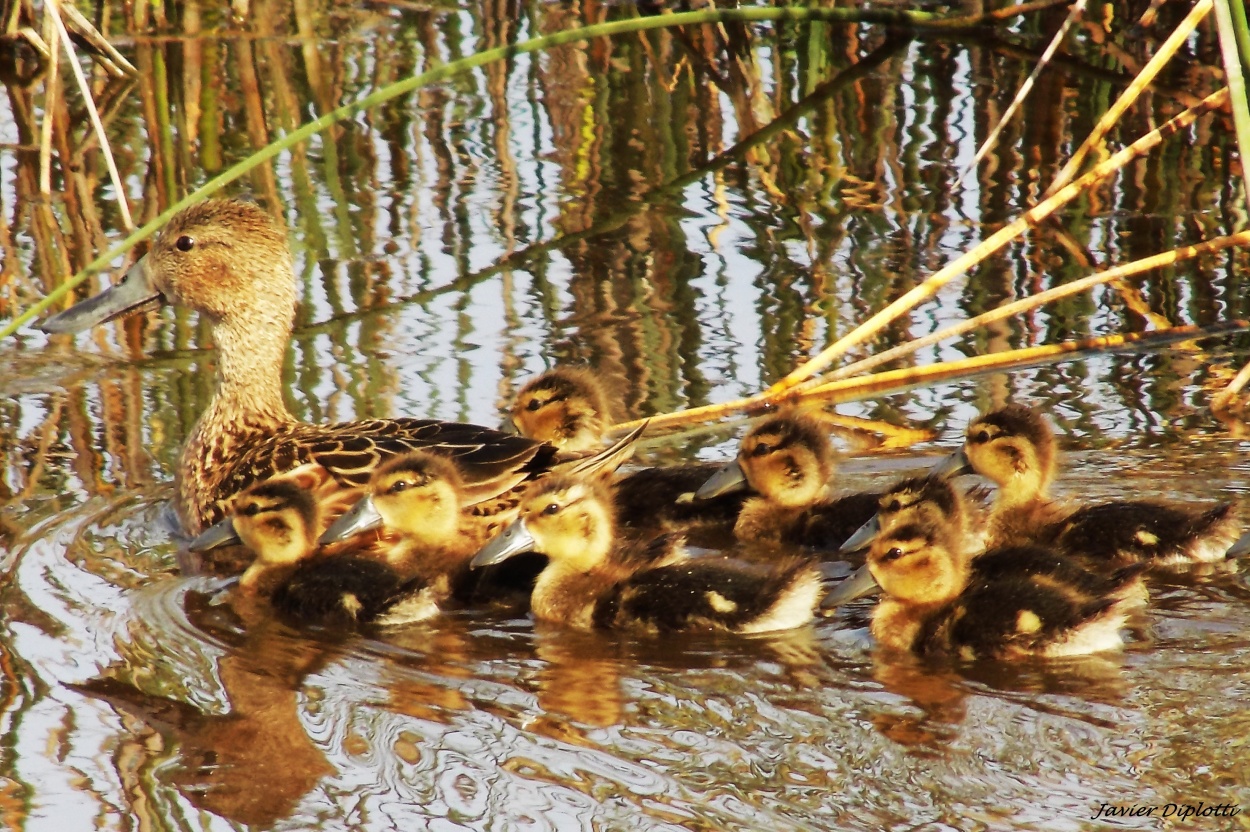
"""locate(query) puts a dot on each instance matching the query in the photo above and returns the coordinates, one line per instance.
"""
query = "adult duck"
(229, 261)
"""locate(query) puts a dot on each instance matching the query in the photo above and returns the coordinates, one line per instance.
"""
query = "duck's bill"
(360, 518)
(134, 293)
(955, 465)
(515, 539)
(860, 584)
(1241, 548)
(509, 426)
(864, 535)
(215, 536)
(728, 480)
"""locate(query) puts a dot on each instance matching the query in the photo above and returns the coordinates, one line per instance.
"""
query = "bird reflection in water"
(253, 764)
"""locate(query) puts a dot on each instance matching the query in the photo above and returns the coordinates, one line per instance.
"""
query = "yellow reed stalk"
(53, 9)
(1222, 401)
(1007, 310)
(897, 380)
(1134, 89)
(996, 241)
(1078, 9)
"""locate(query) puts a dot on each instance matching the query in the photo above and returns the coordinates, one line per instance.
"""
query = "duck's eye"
(892, 555)
(250, 510)
(551, 509)
(979, 437)
(184, 243)
(760, 450)
(533, 405)
(893, 505)
(398, 486)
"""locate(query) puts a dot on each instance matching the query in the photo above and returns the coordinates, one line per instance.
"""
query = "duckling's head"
(927, 500)
(416, 494)
(566, 407)
(277, 520)
(1015, 447)
(918, 563)
(570, 520)
(788, 459)
(227, 259)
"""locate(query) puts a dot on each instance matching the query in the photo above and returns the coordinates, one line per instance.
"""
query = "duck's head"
(569, 520)
(918, 563)
(1013, 446)
(787, 459)
(929, 499)
(277, 519)
(566, 407)
(416, 494)
(227, 259)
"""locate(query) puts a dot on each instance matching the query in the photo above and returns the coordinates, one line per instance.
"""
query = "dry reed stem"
(1130, 94)
(52, 8)
(1222, 402)
(106, 55)
(49, 110)
(996, 241)
(896, 380)
(1133, 269)
(1078, 8)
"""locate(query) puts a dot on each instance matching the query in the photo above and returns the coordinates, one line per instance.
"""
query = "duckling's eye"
(760, 450)
(533, 405)
(892, 555)
(398, 486)
(251, 510)
(184, 243)
(551, 509)
(893, 505)
(980, 437)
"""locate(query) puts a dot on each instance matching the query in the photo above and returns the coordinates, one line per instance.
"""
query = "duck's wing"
(350, 451)
(1149, 532)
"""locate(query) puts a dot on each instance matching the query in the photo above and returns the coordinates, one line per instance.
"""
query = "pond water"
(692, 212)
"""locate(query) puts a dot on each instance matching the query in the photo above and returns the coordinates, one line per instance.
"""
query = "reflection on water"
(691, 212)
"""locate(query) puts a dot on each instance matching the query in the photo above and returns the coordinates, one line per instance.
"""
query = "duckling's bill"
(215, 536)
(132, 293)
(1241, 548)
(360, 518)
(728, 480)
(860, 584)
(955, 465)
(864, 535)
(513, 540)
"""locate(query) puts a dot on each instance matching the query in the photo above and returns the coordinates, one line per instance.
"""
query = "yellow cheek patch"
(352, 604)
(1028, 622)
(720, 603)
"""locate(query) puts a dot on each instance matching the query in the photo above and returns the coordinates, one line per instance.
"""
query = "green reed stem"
(1230, 20)
(906, 18)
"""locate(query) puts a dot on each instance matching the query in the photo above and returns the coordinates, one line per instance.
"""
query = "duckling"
(568, 407)
(939, 602)
(426, 510)
(593, 580)
(279, 519)
(787, 461)
(1015, 447)
(229, 260)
